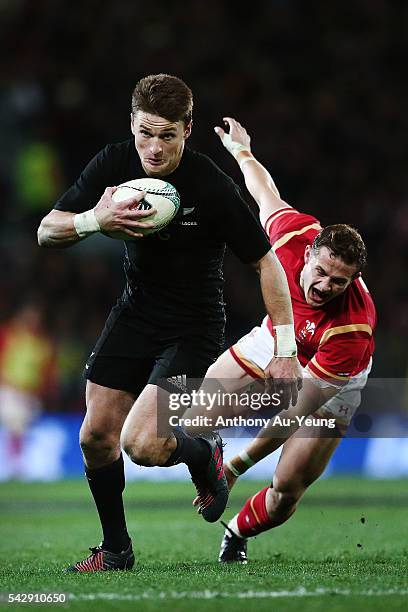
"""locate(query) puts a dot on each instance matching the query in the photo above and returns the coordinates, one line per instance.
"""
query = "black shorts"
(130, 353)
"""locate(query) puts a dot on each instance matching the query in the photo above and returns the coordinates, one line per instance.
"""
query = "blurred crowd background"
(321, 87)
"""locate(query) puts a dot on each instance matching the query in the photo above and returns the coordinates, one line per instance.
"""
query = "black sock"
(107, 485)
(194, 452)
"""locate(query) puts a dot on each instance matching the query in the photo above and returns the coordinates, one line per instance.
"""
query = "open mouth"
(317, 296)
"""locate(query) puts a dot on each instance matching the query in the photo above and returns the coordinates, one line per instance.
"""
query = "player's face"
(159, 142)
(324, 276)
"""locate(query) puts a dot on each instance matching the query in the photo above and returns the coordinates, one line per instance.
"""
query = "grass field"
(346, 548)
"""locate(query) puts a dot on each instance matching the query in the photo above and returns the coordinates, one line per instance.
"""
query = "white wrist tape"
(232, 146)
(86, 223)
(245, 458)
(233, 469)
(285, 341)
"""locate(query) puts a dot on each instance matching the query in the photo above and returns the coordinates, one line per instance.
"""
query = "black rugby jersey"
(174, 277)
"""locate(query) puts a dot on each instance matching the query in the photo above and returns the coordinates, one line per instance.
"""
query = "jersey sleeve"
(343, 355)
(287, 223)
(240, 229)
(87, 190)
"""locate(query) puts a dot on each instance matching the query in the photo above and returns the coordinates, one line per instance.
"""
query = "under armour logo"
(344, 409)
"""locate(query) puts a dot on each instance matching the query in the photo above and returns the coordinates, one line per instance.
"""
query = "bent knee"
(139, 450)
(147, 450)
(139, 455)
(97, 439)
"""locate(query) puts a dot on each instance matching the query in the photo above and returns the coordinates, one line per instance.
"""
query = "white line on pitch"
(207, 594)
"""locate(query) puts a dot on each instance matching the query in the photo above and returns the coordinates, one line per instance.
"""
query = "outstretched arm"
(283, 373)
(258, 181)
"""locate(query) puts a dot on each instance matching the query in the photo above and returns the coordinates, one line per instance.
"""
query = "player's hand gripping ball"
(160, 195)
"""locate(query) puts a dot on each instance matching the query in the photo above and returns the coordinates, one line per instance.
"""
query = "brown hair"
(345, 242)
(165, 96)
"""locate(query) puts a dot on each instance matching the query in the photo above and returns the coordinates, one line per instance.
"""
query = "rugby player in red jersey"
(334, 319)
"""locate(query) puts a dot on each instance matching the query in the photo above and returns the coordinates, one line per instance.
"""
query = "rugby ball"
(160, 195)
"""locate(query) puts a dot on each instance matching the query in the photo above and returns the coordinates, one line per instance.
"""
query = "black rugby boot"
(210, 482)
(103, 560)
(233, 548)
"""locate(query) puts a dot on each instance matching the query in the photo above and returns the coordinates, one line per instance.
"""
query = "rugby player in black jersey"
(170, 319)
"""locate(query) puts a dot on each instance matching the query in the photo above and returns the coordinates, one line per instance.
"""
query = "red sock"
(253, 517)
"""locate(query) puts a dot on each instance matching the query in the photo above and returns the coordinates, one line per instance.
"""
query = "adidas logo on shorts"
(179, 381)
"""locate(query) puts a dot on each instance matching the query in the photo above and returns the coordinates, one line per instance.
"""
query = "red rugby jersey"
(334, 341)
